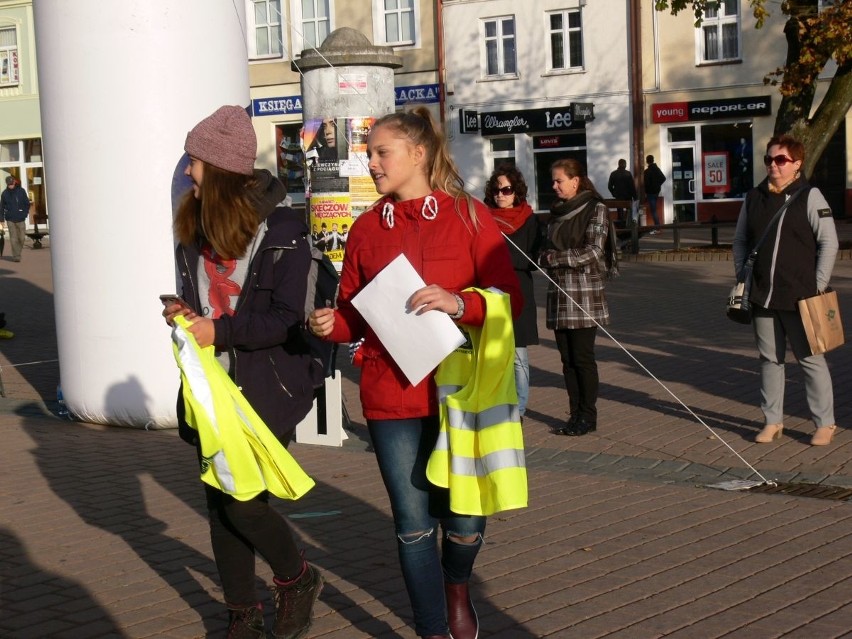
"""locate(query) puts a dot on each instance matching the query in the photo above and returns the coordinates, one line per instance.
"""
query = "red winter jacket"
(445, 251)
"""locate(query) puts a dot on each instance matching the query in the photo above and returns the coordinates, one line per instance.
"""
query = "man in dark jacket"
(621, 186)
(16, 207)
(653, 179)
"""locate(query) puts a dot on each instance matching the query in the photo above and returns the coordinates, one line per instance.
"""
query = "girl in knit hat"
(453, 243)
(244, 264)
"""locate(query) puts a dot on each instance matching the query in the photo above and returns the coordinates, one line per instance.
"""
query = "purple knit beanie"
(225, 139)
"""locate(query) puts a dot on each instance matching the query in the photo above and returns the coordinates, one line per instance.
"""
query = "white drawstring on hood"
(429, 210)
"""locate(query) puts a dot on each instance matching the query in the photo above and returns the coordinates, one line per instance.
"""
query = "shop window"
(291, 160)
(265, 35)
(719, 33)
(10, 151)
(566, 39)
(502, 151)
(681, 134)
(499, 47)
(32, 150)
(9, 70)
(395, 21)
(315, 20)
(571, 145)
(726, 160)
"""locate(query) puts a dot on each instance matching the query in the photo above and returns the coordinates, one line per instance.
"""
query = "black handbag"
(739, 307)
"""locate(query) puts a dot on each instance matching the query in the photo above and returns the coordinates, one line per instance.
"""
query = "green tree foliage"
(813, 38)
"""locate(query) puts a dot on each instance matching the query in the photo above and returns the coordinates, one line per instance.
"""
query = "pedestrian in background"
(653, 179)
(795, 261)
(453, 243)
(506, 194)
(244, 266)
(622, 187)
(15, 205)
(578, 254)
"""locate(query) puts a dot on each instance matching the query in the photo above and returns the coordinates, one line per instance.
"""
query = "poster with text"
(330, 219)
(717, 172)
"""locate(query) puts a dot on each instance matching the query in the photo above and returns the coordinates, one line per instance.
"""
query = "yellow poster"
(331, 218)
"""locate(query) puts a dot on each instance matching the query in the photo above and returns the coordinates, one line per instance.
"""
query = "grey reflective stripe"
(480, 467)
(493, 416)
(463, 420)
(444, 390)
(199, 386)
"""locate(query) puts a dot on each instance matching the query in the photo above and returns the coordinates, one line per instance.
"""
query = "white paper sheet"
(417, 343)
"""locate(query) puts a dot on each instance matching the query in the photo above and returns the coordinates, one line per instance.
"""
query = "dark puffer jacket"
(272, 364)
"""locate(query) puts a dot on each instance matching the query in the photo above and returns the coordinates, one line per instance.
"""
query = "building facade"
(708, 114)
(529, 83)
(20, 119)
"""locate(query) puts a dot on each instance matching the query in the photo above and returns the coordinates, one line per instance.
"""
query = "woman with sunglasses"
(794, 261)
(506, 195)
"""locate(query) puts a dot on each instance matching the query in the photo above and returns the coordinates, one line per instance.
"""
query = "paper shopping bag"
(821, 318)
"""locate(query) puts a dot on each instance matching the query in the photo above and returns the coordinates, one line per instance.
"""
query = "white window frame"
(252, 26)
(718, 21)
(499, 38)
(566, 32)
(380, 33)
(10, 60)
(298, 35)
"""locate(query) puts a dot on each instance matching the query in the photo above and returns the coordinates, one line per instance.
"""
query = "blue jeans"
(402, 450)
(652, 208)
(522, 377)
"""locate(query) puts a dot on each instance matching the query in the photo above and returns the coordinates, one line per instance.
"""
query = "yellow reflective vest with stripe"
(239, 454)
(479, 455)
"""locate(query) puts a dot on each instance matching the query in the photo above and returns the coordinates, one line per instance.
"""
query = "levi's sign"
(547, 120)
(711, 109)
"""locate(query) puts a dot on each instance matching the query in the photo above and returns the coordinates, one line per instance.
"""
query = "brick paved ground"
(103, 532)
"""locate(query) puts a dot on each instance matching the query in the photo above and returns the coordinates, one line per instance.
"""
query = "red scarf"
(511, 219)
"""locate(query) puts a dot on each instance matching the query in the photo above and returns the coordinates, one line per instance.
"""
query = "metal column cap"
(346, 47)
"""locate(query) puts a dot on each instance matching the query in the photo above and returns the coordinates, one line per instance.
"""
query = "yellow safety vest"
(479, 455)
(239, 454)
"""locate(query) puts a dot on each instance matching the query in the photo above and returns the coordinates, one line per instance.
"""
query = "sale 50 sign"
(717, 172)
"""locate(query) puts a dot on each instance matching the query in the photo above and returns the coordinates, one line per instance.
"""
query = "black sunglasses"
(780, 160)
(506, 190)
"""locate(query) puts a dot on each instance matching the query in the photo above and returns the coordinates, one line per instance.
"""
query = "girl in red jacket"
(453, 243)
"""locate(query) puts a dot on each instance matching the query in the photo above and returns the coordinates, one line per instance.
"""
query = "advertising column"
(346, 84)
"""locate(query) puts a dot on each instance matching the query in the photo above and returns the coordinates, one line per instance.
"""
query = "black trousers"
(238, 529)
(580, 370)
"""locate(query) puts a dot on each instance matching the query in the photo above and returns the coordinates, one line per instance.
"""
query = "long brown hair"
(225, 215)
(420, 128)
(574, 168)
(516, 180)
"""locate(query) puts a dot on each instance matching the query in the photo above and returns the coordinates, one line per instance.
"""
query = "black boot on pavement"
(294, 603)
(246, 623)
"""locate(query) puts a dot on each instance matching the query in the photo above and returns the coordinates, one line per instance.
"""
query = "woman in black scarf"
(578, 255)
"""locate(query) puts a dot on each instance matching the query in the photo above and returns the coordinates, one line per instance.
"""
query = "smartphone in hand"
(170, 299)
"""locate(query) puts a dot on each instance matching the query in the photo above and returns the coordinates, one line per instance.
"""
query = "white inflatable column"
(121, 83)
